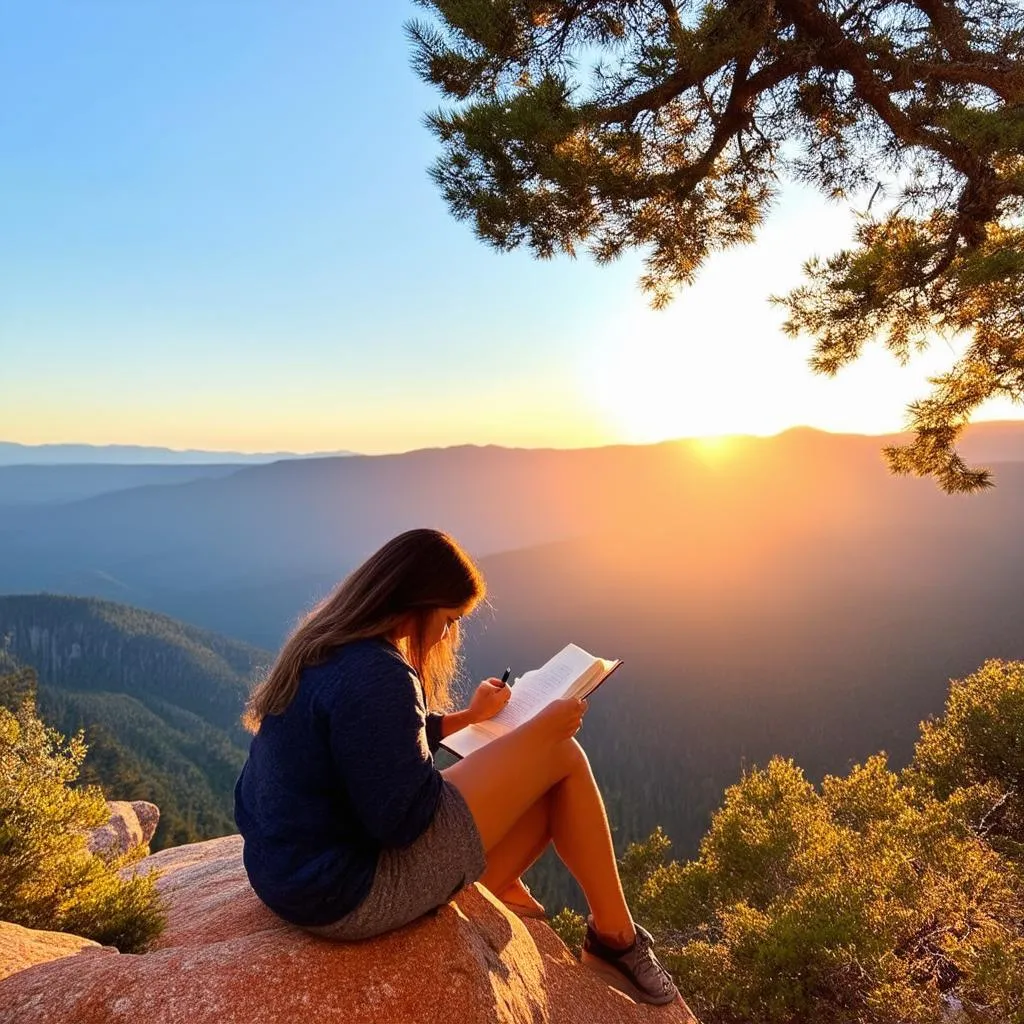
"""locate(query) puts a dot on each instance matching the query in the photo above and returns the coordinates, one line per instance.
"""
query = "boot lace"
(647, 968)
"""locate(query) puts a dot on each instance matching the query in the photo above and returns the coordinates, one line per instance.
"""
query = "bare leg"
(520, 899)
(502, 781)
(522, 845)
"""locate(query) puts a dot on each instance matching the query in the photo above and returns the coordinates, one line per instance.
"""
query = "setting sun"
(650, 390)
(693, 371)
(715, 449)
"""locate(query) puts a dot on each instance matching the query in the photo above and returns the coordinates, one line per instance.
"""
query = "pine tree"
(678, 137)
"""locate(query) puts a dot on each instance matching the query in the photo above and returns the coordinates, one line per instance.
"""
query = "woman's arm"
(440, 725)
(490, 697)
(456, 720)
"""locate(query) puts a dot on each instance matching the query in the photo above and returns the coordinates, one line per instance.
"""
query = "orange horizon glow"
(712, 446)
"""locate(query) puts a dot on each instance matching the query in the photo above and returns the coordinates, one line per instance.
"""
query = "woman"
(350, 830)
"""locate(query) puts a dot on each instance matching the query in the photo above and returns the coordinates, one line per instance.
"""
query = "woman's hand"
(559, 720)
(490, 697)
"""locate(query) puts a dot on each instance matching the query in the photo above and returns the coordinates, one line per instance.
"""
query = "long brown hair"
(415, 572)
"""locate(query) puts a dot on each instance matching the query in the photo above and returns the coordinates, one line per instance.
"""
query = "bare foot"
(517, 897)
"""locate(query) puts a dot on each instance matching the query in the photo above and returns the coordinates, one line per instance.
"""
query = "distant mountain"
(995, 441)
(999, 441)
(265, 529)
(13, 454)
(21, 486)
(264, 524)
(159, 701)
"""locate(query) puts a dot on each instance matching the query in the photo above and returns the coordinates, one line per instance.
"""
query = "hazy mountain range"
(768, 596)
(244, 551)
(22, 486)
(13, 454)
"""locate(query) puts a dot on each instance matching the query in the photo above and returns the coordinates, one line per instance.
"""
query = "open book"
(570, 673)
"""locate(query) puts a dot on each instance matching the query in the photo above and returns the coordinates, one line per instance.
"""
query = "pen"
(504, 678)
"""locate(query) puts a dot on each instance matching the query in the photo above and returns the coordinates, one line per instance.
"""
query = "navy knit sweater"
(345, 770)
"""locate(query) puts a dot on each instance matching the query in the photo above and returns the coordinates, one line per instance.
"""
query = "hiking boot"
(634, 970)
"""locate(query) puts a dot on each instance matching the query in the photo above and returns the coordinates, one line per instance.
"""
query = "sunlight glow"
(715, 450)
(661, 387)
(716, 361)
(692, 372)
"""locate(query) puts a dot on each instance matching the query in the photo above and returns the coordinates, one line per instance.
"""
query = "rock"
(131, 824)
(149, 817)
(23, 947)
(952, 1008)
(225, 958)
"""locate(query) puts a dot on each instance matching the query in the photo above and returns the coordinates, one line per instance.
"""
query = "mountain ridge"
(159, 701)
(13, 453)
(51, 451)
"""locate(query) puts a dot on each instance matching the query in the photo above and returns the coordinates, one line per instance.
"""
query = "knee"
(572, 756)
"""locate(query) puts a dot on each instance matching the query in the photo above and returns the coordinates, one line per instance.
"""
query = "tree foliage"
(978, 746)
(880, 897)
(669, 126)
(48, 878)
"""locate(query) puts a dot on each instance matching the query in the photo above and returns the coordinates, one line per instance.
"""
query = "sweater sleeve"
(434, 730)
(379, 744)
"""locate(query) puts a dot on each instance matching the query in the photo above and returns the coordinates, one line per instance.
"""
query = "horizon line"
(348, 452)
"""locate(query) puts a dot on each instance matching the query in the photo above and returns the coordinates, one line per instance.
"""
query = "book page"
(466, 740)
(571, 672)
(541, 686)
(588, 682)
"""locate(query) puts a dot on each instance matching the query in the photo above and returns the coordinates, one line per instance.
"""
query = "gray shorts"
(413, 880)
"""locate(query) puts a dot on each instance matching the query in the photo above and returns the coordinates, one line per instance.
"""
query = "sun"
(653, 389)
(714, 366)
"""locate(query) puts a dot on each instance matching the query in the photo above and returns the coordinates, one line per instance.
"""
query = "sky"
(217, 231)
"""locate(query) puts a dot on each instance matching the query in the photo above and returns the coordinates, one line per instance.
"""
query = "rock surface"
(21, 948)
(225, 957)
(131, 824)
(149, 817)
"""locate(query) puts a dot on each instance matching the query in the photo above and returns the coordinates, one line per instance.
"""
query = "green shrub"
(870, 901)
(571, 928)
(864, 902)
(875, 898)
(48, 878)
(978, 746)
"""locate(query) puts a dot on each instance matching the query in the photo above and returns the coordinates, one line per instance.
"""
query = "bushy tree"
(977, 745)
(859, 903)
(880, 897)
(48, 878)
(16, 683)
(669, 126)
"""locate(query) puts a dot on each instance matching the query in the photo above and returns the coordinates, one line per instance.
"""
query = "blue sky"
(217, 230)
